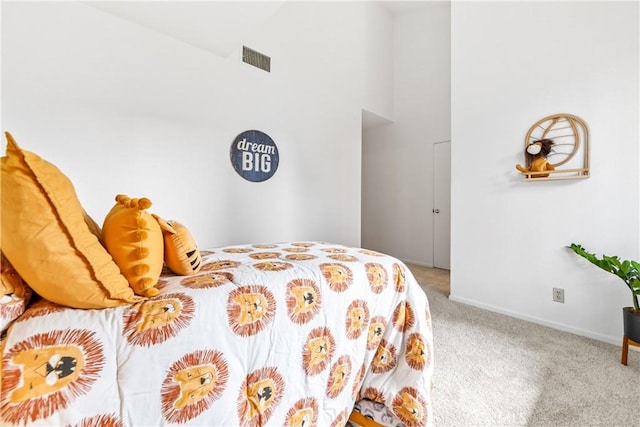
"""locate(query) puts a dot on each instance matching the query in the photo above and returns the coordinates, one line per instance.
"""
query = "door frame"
(441, 224)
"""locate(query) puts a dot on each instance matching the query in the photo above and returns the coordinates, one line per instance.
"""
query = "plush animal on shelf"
(536, 156)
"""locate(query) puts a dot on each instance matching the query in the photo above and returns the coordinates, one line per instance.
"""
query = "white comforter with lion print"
(288, 334)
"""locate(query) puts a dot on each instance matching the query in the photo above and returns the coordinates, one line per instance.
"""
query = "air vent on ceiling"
(255, 58)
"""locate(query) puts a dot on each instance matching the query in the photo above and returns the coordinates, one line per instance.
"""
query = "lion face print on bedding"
(303, 300)
(46, 372)
(296, 249)
(403, 317)
(265, 255)
(334, 250)
(369, 252)
(304, 413)
(343, 258)
(300, 257)
(107, 420)
(260, 394)
(42, 307)
(357, 383)
(157, 319)
(385, 358)
(237, 250)
(219, 265)
(377, 276)
(195, 384)
(376, 330)
(250, 309)
(157, 314)
(205, 281)
(273, 266)
(192, 384)
(410, 407)
(374, 395)
(342, 418)
(357, 319)
(417, 354)
(339, 376)
(318, 350)
(264, 245)
(399, 277)
(338, 276)
(303, 244)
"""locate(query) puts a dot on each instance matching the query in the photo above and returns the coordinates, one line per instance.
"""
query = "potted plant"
(629, 272)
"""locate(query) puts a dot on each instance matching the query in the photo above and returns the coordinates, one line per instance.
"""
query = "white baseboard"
(418, 263)
(543, 322)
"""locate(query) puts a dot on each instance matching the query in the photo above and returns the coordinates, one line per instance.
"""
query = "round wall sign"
(254, 156)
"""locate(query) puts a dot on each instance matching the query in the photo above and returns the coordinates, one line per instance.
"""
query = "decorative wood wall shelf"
(570, 152)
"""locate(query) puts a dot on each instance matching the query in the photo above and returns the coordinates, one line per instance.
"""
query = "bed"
(129, 324)
(286, 334)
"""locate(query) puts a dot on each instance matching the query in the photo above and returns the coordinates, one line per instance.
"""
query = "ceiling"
(220, 26)
(216, 26)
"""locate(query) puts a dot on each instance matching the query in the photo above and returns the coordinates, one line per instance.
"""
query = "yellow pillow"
(181, 253)
(46, 238)
(134, 240)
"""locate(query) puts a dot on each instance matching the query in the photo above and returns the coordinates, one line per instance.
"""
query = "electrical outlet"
(558, 295)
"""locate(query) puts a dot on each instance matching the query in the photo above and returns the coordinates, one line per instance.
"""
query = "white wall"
(123, 109)
(397, 158)
(514, 63)
(378, 61)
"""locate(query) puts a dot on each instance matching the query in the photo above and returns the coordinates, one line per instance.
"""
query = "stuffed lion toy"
(536, 156)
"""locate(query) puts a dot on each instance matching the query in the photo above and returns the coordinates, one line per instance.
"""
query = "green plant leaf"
(627, 270)
(625, 267)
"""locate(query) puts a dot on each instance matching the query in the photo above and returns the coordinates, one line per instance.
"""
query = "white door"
(442, 204)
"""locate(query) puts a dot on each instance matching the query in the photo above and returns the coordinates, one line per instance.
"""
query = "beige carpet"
(494, 370)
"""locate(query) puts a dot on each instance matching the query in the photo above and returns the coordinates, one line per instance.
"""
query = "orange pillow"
(134, 240)
(46, 238)
(181, 253)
